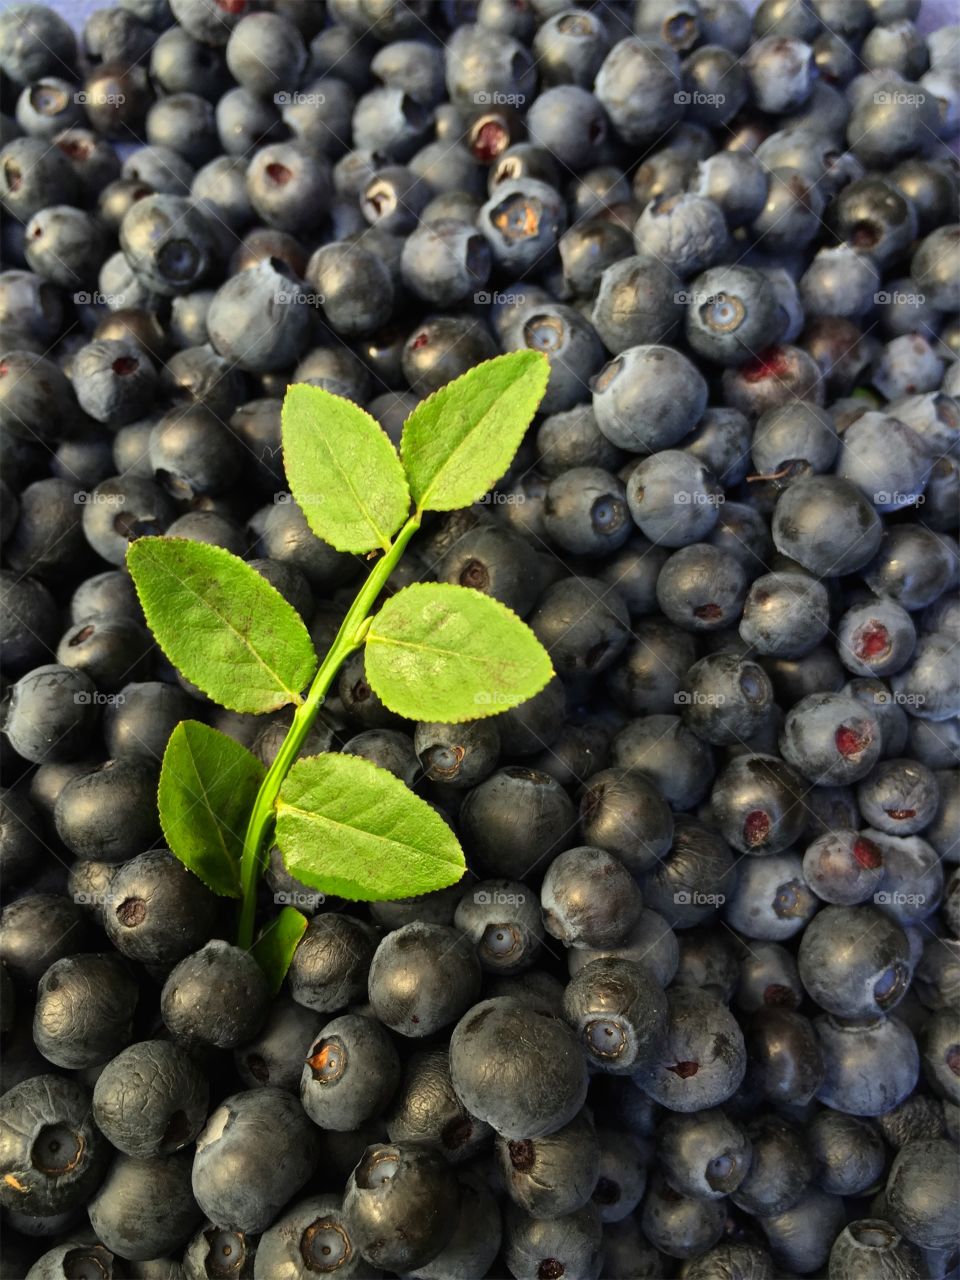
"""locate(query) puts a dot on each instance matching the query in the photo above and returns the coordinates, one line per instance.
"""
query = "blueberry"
(899, 797)
(673, 498)
(34, 175)
(651, 944)
(586, 511)
(854, 961)
(52, 1154)
(447, 978)
(799, 1236)
(312, 1236)
(569, 342)
(921, 1192)
(553, 1175)
(726, 699)
(35, 41)
(831, 739)
(911, 567)
(257, 1149)
(702, 587)
(619, 1014)
(150, 1100)
(445, 262)
(35, 396)
(570, 1245)
(703, 1060)
(826, 525)
(49, 714)
(731, 313)
(109, 810)
(168, 243)
(781, 1169)
(158, 912)
(84, 1010)
(401, 1205)
(686, 232)
(786, 1064)
(570, 47)
(680, 1226)
(869, 1241)
(476, 1238)
(503, 922)
(636, 303)
(648, 398)
(843, 867)
(330, 965)
(638, 86)
(582, 623)
(522, 222)
(426, 1109)
(494, 560)
(927, 687)
(849, 1153)
(735, 181)
(771, 899)
(351, 1071)
(534, 1051)
(704, 1155)
(870, 1067)
(626, 815)
(757, 802)
(588, 898)
(678, 763)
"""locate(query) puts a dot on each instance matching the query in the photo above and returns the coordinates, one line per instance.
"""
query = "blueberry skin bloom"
(256, 1151)
(648, 398)
(520, 1070)
(619, 1014)
(854, 961)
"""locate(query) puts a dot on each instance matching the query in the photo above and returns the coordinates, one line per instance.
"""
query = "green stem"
(349, 638)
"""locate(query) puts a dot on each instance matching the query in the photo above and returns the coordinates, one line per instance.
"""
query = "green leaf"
(351, 829)
(221, 624)
(441, 652)
(274, 949)
(458, 442)
(208, 784)
(342, 469)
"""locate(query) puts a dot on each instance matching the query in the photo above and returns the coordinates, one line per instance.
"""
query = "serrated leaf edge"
(273, 981)
(373, 769)
(480, 714)
(295, 697)
(423, 502)
(384, 535)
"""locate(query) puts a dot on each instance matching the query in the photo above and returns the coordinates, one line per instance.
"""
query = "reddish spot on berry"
(872, 640)
(490, 140)
(685, 1069)
(708, 612)
(867, 853)
(279, 173)
(756, 827)
(74, 148)
(232, 6)
(777, 994)
(953, 1059)
(851, 741)
(420, 340)
(771, 363)
(124, 365)
(900, 815)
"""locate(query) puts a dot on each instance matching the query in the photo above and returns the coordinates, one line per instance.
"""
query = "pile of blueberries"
(693, 1012)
